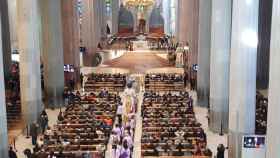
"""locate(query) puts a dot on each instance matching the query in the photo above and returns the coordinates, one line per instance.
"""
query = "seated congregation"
(112, 82)
(97, 122)
(261, 114)
(169, 126)
(83, 129)
(164, 82)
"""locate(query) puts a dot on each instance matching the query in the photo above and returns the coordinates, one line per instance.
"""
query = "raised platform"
(104, 70)
(137, 62)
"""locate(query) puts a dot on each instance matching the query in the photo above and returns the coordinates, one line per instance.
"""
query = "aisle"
(108, 153)
(139, 92)
(138, 129)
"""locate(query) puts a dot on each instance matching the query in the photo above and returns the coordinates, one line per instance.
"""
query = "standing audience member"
(28, 153)
(34, 131)
(60, 116)
(220, 151)
(72, 84)
(81, 79)
(44, 120)
(36, 148)
(12, 153)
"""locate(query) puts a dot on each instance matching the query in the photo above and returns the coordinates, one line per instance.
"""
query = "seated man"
(179, 151)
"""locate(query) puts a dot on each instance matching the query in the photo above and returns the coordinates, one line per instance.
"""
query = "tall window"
(79, 6)
(170, 9)
(108, 4)
(173, 16)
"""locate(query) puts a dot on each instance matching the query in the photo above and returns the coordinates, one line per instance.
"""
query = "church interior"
(139, 78)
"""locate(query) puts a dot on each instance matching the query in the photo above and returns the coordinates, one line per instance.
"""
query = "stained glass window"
(108, 7)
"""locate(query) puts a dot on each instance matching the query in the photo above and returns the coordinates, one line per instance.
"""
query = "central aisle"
(138, 129)
(138, 87)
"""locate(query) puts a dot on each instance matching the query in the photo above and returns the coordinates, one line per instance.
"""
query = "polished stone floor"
(22, 142)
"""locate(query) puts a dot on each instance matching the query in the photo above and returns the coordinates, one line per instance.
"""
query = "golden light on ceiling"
(137, 3)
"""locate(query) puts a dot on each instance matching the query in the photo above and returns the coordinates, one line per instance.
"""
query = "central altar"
(140, 45)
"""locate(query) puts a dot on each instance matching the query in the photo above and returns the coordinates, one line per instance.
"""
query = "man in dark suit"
(12, 153)
(34, 131)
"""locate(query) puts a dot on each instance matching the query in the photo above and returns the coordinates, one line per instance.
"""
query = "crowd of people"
(261, 114)
(91, 119)
(123, 133)
(112, 82)
(164, 82)
(170, 128)
(82, 130)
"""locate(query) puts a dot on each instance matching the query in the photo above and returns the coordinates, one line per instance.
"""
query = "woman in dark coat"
(221, 151)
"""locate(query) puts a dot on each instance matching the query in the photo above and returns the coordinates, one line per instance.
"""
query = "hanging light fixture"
(139, 3)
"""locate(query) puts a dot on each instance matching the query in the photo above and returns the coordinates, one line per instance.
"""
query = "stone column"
(53, 52)
(219, 68)
(3, 113)
(71, 37)
(242, 90)
(29, 49)
(273, 125)
(115, 16)
(102, 18)
(12, 4)
(6, 40)
(204, 46)
(189, 11)
(182, 16)
(89, 32)
(265, 14)
(97, 17)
